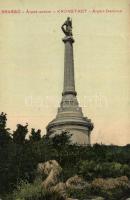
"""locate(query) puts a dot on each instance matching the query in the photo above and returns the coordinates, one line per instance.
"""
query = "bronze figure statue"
(67, 27)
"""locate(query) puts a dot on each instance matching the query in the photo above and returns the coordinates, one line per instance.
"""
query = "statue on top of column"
(67, 27)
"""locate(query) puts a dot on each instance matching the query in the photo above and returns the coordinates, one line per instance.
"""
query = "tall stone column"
(69, 103)
(69, 82)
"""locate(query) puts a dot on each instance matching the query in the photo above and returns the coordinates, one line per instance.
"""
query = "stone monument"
(69, 116)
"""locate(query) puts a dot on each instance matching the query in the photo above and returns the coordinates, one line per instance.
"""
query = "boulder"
(110, 183)
(76, 182)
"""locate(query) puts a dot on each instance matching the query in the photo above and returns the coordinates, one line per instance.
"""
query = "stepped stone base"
(70, 118)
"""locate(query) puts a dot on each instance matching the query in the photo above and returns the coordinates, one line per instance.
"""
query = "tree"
(35, 135)
(5, 137)
(5, 141)
(20, 133)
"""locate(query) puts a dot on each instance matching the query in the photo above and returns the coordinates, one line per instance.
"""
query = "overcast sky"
(32, 63)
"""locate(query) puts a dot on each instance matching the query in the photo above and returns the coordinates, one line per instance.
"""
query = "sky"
(32, 63)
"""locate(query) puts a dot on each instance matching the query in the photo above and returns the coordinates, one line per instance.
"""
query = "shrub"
(93, 169)
(79, 193)
(35, 191)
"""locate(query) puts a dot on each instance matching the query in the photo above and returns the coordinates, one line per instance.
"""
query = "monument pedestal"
(70, 118)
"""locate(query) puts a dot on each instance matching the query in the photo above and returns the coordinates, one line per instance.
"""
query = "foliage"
(80, 193)
(35, 135)
(92, 169)
(60, 140)
(111, 188)
(20, 156)
(20, 134)
(5, 136)
(35, 191)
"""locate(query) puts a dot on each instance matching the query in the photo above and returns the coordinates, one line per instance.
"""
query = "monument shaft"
(69, 82)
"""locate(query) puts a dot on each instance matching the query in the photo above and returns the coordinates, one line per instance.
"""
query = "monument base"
(79, 126)
(80, 135)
